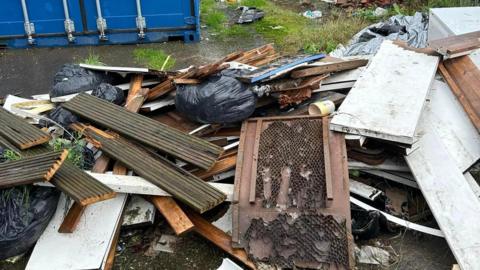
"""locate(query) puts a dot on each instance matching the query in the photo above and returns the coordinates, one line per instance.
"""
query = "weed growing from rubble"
(153, 58)
(92, 59)
(74, 147)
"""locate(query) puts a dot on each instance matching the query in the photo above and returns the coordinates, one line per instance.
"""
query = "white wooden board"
(444, 114)
(452, 201)
(387, 99)
(138, 212)
(87, 246)
(390, 164)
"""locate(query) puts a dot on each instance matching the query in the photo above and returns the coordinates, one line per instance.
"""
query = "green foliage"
(354, 173)
(10, 155)
(93, 59)
(75, 150)
(153, 58)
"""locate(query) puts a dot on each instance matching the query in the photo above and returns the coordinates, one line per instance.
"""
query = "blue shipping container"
(46, 23)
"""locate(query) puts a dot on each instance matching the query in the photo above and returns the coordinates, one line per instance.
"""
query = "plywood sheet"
(387, 100)
(87, 246)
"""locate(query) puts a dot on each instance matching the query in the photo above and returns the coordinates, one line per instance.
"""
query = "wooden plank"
(119, 168)
(323, 68)
(218, 238)
(135, 86)
(72, 218)
(222, 165)
(176, 218)
(463, 77)
(455, 46)
(101, 164)
(388, 107)
(88, 245)
(186, 81)
(450, 198)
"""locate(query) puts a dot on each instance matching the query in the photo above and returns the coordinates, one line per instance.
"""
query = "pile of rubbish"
(310, 153)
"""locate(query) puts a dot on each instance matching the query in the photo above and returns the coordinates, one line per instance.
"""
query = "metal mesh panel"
(307, 240)
(290, 167)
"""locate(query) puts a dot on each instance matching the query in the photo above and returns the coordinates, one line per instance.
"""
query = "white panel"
(387, 100)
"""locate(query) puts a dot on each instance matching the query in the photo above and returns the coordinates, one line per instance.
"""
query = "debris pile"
(310, 152)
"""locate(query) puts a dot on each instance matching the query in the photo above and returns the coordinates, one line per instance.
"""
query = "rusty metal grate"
(305, 241)
(291, 166)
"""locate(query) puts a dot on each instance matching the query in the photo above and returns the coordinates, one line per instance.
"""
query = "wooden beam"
(135, 86)
(72, 218)
(186, 81)
(220, 166)
(218, 238)
(328, 67)
(101, 164)
(174, 215)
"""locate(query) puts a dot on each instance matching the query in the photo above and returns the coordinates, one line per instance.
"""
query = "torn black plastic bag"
(217, 100)
(109, 92)
(62, 117)
(71, 79)
(24, 214)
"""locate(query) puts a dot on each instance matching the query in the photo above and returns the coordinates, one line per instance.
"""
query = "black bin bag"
(25, 212)
(72, 78)
(217, 100)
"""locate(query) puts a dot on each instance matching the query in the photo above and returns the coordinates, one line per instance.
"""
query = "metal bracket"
(29, 30)
(190, 20)
(70, 29)
(102, 26)
(141, 26)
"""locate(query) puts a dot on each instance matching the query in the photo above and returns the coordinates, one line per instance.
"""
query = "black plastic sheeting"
(62, 117)
(72, 78)
(109, 92)
(411, 29)
(24, 214)
(217, 100)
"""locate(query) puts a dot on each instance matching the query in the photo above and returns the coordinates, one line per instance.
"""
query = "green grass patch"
(92, 59)
(75, 150)
(153, 58)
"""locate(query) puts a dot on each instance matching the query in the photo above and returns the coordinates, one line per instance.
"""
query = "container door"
(121, 14)
(47, 16)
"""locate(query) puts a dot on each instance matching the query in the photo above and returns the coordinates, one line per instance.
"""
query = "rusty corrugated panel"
(20, 133)
(145, 130)
(32, 169)
(181, 184)
(291, 199)
(74, 182)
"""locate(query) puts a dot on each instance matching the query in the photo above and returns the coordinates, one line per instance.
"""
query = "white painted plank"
(87, 246)
(444, 114)
(450, 198)
(115, 69)
(387, 100)
(390, 164)
(399, 221)
(138, 185)
(393, 177)
(364, 190)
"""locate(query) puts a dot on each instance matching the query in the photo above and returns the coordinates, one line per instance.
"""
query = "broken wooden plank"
(20, 133)
(450, 198)
(186, 81)
(135, 86)
(218, 238)
(220, 166)
(463, 77)
(101, 164)
(32, 169)
(72, 218)
(145, 130)
(389, 106)
(176, 218)
(455, 46)
(323, 68)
